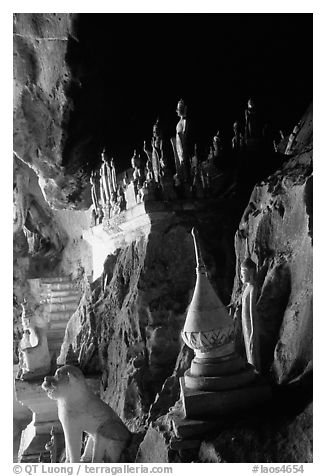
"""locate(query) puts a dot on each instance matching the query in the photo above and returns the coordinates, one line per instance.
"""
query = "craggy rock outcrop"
(276, 228)
(46, 242)
(277, 225)
(137, 320)
(44, 82)
(277, 440)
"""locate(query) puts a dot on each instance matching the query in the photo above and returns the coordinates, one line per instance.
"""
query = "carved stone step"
(57, 286)
(60, 293)
(55, 341)
(69, 306)
(59, 324)
(64, 299)
(57, 279)
(59, 316)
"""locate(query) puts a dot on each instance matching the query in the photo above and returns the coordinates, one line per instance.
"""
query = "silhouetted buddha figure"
(113, 176)
(249, 316)
(52, 446)
(292, 139)
(196, 178)
(252, 122)
(105, 193)
(217, 145)
(93, 193)
(180, 140)
(157, 151)
(237, 140)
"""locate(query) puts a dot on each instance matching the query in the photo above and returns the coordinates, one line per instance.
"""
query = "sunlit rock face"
(43, 91)
(46, 242)
(278, 226)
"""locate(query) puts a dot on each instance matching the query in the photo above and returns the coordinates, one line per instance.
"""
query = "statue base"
(212, 367)
(199, 404)
(219, 373)
(223, 382)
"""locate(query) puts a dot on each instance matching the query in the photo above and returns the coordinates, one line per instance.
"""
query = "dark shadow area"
(127, 70)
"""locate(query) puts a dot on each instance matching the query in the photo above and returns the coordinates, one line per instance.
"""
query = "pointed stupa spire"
(208, 325)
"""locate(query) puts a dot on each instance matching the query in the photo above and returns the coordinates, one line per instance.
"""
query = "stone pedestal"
(45, 415)
(205, 404)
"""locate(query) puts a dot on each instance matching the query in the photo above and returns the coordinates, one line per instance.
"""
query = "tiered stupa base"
(221, 386)
(204, 404)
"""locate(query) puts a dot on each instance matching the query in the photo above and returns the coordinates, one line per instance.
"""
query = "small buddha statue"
(237, 140)
(35, 357)
(180, 141)
(217, 145)
(104, 179)
(196, 179)
(209, 330)
(157, 151)
(249, 316)
(93, 194)
(292, 139)
(251, 121)
(121, 201)
(113, 176)
(52, 446)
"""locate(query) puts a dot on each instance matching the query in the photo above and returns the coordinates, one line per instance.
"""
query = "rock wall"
(278, 440)
(46, 242)
(44, 86)
(276, 229)
(129, 330)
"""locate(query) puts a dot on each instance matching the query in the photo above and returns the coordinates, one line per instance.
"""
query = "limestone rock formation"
(278, 440)
(46, 242)
(276, 229)
(135, 321)
(44, 82)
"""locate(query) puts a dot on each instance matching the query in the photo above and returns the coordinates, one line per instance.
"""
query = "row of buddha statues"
(152, 179)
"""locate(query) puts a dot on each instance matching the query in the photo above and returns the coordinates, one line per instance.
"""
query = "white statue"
(52, 446)
(81, 411)
(249, 316)
(292, 139)
(35, 360)
(93, 193)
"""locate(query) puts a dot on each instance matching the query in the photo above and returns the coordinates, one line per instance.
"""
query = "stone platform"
(137, 221)
(203, 404)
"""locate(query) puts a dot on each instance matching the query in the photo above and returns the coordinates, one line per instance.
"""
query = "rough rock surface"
(276, 229)
(136, 320)
(46, 242)
(44, 87)
(129, 331)
(278, 440)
